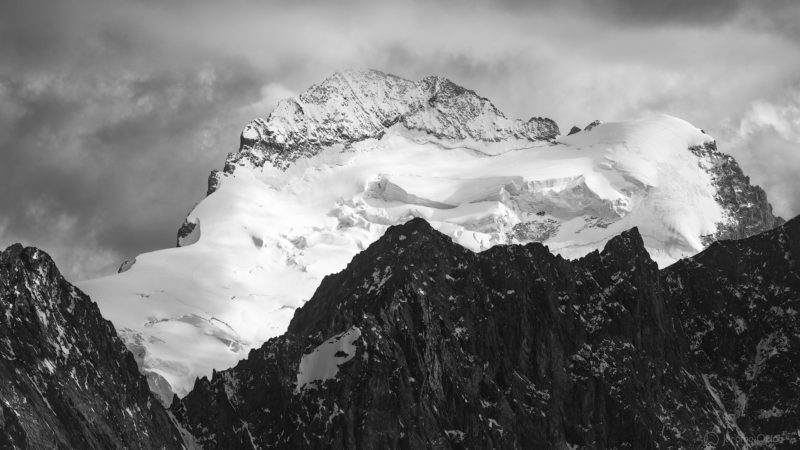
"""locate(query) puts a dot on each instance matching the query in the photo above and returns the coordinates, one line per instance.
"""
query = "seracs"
(325, 174)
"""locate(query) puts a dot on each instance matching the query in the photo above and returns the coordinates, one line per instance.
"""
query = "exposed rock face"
(126, 265)
(213, 181)
(739, 303)
(357, 105)
(188, 233)
(421, 343)
(747, 211)
(66, 379)
(592, 125)
(573, 130)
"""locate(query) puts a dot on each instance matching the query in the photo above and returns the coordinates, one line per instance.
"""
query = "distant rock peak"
(592, 125)
(355, 105)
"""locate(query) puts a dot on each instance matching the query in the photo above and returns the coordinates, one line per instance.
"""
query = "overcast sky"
(113, 112)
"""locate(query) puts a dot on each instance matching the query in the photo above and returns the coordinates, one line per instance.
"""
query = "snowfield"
(365, 150)
(266, 237)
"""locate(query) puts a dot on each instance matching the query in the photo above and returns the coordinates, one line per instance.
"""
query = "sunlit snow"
(269, 236)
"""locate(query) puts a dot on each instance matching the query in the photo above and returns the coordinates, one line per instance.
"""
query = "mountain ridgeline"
(420, 343)
(66, 379)
(356, 105)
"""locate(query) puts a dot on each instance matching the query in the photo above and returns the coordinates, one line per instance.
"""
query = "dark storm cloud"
(663, 12)
(112, 112)
(129, 176)
(667, 11)
(105, 145)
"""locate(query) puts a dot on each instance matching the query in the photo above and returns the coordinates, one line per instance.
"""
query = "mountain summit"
(326, 173)
(356, 105)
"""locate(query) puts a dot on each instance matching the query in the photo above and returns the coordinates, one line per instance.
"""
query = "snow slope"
(268, 233)
(324, 361)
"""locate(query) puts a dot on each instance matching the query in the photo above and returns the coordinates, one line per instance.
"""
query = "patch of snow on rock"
(324, 361)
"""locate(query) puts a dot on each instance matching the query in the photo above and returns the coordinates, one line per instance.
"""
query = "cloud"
(112, 112)
(111, 166)
(766, 142)
(783, 118)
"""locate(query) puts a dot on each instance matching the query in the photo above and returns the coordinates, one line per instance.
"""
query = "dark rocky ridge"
(744, 333)
(517, 348)
(66, 380)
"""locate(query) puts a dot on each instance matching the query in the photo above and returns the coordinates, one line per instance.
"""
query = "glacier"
(328, 172)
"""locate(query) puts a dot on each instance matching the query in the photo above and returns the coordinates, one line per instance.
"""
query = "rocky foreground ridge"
(66, 379)
(420, 343)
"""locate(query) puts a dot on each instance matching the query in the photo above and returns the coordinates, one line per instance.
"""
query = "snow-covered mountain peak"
(329, 171)
(355, 105)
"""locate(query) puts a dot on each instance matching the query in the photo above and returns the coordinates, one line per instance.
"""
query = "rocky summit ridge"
(352, 106)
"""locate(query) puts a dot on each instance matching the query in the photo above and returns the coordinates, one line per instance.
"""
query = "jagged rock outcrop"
(213, 181)
(356, 105)
(592, 125)
(421, 343)
(66, 379)
(188, 233)
(573, 130)
(747, 211)
(739, 304)
(126, 265)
